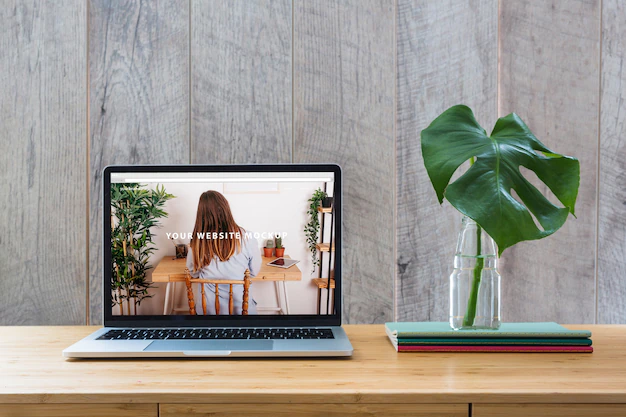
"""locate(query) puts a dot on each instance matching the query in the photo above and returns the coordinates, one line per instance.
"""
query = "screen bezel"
(308, 320)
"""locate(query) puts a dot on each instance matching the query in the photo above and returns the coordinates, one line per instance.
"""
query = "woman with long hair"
(221, 249)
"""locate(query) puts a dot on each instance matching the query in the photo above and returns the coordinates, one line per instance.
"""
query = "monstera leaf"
(483, 193)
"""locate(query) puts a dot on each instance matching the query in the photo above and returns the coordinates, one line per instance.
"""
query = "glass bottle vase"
(475, 281)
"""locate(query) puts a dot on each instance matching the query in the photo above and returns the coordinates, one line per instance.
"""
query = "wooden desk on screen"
(172, 270)
(377, 381)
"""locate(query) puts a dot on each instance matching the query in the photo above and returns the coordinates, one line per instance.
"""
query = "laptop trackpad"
(218, 345)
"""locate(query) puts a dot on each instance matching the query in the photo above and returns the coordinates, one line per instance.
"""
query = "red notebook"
(504, 349)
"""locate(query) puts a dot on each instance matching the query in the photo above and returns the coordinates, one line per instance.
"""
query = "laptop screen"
(221, 244)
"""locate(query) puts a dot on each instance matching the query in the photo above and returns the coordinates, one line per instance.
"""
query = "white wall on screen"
(257, 208)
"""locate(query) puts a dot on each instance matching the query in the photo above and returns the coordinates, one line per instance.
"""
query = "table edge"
(327, 397)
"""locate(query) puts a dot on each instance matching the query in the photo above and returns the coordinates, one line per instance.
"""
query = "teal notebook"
(495, 341)
(507, 330)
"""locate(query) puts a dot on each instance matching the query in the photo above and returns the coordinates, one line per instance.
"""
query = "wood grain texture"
(343, 113)
(447, 55)
(241, 81)
(79, 410)
(549, 75)
(33, 371)
(139, 99)
(612, 203)
(42, 162)
(548, 410)
(313, 410)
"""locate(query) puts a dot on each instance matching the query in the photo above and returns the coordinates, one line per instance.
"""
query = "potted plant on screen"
(312, 228)
(280, 249)
(135, 211)
(501, 207)
(268, 250)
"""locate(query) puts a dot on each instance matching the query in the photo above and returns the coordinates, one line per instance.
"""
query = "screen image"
(203, 243)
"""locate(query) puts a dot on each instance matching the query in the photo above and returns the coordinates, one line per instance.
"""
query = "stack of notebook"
(511, 337)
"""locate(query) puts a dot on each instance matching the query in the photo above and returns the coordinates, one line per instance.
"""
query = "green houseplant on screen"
(135, 212)
(501, 207)
(312, 228)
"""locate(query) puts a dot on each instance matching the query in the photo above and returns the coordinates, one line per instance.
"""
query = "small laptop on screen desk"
(210, 228)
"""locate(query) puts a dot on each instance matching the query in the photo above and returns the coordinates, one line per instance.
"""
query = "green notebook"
(495, 341)
(507, 330)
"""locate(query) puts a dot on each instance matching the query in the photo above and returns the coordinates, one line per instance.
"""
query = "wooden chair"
(192, 303)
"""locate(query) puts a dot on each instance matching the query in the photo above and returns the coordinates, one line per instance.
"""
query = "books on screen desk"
(511, 337)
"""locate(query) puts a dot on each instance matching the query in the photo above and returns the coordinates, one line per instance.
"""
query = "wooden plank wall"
(138, 98)
(43, 162)
(241, 82)
(343, 113)
(549, 75)
(447, 54)
(612, 182)
(354, 82)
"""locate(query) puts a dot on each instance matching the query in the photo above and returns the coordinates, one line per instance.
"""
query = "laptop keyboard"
(217, 333)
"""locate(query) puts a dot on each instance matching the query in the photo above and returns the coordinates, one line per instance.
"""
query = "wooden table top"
(32, 370)
(170, 269)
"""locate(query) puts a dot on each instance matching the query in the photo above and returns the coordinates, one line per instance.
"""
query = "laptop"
(185, 256)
